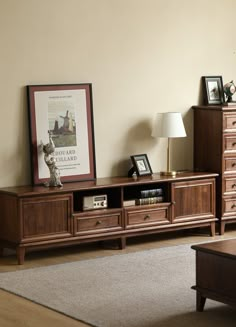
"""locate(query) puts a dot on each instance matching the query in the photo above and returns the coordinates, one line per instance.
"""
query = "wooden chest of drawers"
(215, 150)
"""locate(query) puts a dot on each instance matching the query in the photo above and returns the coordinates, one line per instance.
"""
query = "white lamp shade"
(168, 124)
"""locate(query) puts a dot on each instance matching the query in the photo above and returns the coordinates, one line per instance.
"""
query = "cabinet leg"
(20, 251)
(122, 243)
(201, 300)
(222, 228)
(213, 229)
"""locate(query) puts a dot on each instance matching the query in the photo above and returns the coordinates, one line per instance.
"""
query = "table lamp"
(169, 125)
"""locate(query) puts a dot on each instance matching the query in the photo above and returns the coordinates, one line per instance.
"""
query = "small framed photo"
(141, 165)
(213, 92)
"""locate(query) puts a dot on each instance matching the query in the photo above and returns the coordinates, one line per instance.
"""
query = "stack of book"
(150, 196)
(147, 197)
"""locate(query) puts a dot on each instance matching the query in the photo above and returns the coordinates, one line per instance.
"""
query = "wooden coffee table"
(215, 272)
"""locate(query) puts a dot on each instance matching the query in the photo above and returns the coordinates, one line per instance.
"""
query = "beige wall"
(141, 56)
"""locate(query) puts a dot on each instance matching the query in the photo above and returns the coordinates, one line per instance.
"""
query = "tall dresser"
(215, 151)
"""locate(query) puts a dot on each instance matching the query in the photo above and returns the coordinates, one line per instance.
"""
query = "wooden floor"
(18, 312)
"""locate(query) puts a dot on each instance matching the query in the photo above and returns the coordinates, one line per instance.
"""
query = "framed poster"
(66, 112)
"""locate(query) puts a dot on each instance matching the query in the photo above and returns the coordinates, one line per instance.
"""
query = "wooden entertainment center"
(40, 217)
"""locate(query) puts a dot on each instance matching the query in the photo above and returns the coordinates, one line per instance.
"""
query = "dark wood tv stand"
(39, 217)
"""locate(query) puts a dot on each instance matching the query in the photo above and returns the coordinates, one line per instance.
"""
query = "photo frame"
(141, 165)
(213, 91)
(66, 112)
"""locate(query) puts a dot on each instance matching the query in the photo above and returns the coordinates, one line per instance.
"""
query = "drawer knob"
(147, 217)
(233, 164)
(233, 206)
(233, 144)
(98, 222)
(233, 185)
(234, 122)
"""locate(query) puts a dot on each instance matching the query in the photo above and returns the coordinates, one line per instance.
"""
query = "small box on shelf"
(128, 203)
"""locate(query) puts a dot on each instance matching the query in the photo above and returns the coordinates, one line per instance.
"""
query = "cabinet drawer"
(95, 222)
(229, 122)
(230, 164)
(148, 216)
(229, 184)
(230, 143)
(229, 206)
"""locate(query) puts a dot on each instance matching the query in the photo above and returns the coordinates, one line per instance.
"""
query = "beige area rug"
(143, 289)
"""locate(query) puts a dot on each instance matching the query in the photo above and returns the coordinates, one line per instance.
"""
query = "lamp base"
(168, 173)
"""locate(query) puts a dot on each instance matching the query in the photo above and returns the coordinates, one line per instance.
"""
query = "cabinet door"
(46, 217)
(193, 200)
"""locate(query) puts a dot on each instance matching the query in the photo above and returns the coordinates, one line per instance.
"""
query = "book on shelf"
(151, 193)
(150, 200)
(141, 201)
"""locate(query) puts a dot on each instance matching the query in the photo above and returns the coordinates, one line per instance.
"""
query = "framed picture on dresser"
(213, 91)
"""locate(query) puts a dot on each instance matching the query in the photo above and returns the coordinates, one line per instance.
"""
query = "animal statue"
(50, 161)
